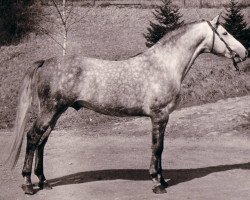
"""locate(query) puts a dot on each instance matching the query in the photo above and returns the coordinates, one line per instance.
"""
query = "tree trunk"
(200, 4)
(64, 43)
(65, 28)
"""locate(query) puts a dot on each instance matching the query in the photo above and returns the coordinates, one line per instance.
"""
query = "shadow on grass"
(176, 176)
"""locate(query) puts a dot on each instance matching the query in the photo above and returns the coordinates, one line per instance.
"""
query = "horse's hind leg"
(34, 135)
(43, 183)
(38, 170)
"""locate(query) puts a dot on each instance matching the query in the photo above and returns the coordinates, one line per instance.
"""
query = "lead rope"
(227, 46)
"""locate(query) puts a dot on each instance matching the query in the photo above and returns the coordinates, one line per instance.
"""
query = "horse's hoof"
(44, 185)
(159, 189)
(164, 183)
(28, 189)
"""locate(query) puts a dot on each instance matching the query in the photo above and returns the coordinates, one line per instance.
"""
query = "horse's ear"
(215, 21)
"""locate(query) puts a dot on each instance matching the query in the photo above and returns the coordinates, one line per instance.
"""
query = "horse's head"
(221, 42)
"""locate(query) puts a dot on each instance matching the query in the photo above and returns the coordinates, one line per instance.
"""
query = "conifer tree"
(168, 18)
(236, 24)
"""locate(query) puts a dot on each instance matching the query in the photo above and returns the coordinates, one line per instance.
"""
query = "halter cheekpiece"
(227, 46)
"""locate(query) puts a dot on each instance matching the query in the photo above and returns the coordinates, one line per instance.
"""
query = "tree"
(168, 18)
(68, 18)
(236, 24)
(17, 19)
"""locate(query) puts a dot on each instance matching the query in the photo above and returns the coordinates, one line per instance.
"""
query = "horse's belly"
(111, 109)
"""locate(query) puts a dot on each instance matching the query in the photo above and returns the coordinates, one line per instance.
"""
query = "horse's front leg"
(159, 123)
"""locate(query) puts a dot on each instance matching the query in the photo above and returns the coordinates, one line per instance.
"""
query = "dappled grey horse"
(145, 85)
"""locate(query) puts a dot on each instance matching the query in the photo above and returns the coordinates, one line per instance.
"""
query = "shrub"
(168, 18)
(17, 18)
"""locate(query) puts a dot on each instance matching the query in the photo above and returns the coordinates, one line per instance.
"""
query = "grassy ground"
(116, 33)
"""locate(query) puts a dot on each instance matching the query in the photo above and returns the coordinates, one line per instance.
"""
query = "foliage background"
(17, 18)
(115, 33)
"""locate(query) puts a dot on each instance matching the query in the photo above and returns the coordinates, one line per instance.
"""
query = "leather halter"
(232, 53)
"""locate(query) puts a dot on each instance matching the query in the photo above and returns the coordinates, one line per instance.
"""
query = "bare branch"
(70, 11)
(48, 34)
(58, 11)
(77, 20)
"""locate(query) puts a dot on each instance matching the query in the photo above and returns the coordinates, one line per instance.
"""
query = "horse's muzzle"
(237, 58)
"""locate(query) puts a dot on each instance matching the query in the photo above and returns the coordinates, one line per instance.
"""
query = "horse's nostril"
(236, 55)
(246, 53)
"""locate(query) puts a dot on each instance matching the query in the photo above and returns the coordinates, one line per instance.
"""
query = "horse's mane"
(173, 35)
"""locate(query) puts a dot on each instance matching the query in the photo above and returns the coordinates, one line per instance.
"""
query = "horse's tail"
(24, 103)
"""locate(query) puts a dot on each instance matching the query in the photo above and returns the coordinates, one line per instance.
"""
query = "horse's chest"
(160, 94)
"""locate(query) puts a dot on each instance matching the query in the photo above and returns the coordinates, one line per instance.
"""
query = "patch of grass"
(114, 33)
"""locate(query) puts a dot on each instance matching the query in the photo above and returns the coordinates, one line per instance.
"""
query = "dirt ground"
(206, 157)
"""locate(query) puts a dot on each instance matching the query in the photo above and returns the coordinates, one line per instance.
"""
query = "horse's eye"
(225, 33)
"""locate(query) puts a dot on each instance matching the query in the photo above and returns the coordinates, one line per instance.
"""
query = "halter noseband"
(227, 46)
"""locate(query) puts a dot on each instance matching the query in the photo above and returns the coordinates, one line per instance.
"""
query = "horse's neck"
(180, 54)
